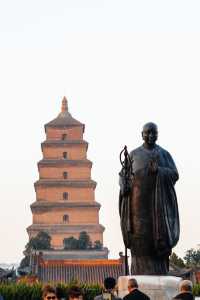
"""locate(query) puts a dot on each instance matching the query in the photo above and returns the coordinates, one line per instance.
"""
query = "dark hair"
(59, 292)
(74, 292)
(109, 283)
(48, 289)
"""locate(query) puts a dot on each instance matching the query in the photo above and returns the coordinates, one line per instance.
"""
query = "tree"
(70, 243)
(98, 245)
(192, 258)
(42, 241)
(84, 240)
(177, 261)
(25, 262)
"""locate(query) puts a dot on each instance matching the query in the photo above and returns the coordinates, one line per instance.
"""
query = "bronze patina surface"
(148, 205)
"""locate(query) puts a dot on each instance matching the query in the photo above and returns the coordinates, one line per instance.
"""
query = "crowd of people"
(110, 292)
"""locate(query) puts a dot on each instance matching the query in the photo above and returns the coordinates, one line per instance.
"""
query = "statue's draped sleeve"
(165, 215)
(165, 208)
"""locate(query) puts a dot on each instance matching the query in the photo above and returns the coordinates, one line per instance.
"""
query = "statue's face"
(150, 134)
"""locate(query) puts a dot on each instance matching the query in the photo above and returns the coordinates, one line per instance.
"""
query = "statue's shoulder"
(162, 150)
(136, 151)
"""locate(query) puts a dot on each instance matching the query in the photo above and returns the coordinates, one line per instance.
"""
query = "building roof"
(177, 271)
(63, 143)
(6, 273)
(47, 206)
(64, 119)
(64, 162)
(85, 271)
(65, 183)
(65, 228)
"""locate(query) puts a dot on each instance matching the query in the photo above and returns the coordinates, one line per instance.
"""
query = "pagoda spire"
(64, 106)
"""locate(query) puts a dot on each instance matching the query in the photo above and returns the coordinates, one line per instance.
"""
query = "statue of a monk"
(148, 206)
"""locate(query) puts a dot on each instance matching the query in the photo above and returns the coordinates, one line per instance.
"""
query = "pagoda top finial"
(64, 106)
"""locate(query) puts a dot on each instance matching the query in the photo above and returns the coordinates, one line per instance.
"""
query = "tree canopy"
(177, 261)
(192, 258)
(42, 241)
(83, 242)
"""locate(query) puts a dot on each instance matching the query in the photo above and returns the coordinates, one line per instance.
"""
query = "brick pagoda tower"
(65, 193)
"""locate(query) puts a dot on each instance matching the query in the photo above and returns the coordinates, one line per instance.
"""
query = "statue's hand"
(153, 167)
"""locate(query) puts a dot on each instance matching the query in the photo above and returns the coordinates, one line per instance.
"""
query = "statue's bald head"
(150, 133)
(150, 126)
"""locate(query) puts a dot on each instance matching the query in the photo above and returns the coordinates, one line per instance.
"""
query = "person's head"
(109, 283)
(49, 293)
(75, 293)
(150, 134)
(59, 292)
(132, 284)
(185, 286)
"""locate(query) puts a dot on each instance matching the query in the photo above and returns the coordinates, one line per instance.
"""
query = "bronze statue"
(148, 205)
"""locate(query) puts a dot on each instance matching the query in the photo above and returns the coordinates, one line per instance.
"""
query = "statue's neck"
(149, 147)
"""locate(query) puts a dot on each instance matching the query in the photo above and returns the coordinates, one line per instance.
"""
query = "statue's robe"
(149, 213)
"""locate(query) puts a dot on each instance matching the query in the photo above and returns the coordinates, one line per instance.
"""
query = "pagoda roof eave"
(66, 183)
(45, 205)
(63, 161)
(65, 228)
(59, 143)
(64, 122)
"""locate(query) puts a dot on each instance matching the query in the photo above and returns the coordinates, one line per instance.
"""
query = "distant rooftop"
(64, 119)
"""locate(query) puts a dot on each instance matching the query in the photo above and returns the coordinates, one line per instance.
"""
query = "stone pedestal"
(156, 287)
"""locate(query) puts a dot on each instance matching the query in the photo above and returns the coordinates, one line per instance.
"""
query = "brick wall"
(56, 194)
(75, 153)
(57, 239)
(74, 133)
(73, 172)
(83, 216)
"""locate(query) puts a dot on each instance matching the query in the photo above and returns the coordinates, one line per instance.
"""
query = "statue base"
(156, 287)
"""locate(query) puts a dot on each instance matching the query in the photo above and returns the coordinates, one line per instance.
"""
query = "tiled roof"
(64, 119)
(46, 206)
(86, 271)
(65, 228)
(62, 161)
(64, 182)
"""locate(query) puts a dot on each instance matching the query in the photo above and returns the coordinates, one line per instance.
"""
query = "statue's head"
(150, 133)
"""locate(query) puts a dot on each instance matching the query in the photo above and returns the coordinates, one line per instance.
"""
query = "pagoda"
(65, 202)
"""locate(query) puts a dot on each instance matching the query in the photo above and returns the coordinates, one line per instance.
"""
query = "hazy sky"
(120, 64)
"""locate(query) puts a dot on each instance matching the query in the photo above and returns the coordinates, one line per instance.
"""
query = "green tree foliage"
(23, 291)
(177, 261)
(98, 245)
(70, 243)
(25, 262)
(42, 241)
(84, 240)
(192, 258)
(82, 243)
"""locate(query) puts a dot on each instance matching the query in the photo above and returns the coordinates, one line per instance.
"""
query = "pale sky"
(120, 64)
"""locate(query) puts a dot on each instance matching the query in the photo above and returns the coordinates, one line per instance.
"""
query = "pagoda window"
(65, 219)
(65, 155)
(65, 175)
(65, 196)
(64, 136)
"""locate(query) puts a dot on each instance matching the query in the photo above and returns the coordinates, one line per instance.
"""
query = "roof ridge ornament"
(64, 106)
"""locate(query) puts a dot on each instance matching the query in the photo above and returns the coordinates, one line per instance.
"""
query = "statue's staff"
(127, 172)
